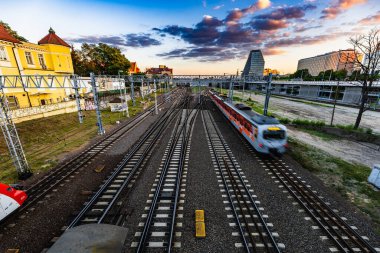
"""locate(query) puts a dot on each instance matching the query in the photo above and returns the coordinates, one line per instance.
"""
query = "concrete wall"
(43, 111)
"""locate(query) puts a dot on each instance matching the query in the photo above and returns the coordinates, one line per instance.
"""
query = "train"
(265, 134)
(11, 199)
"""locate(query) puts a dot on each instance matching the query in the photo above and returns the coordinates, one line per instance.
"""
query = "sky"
(199, 36)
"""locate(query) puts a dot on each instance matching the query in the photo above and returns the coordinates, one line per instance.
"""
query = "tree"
(12, 32)
(100, 59)
(340, 74)
(369, 46)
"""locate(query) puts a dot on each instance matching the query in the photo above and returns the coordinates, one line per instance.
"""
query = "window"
(41, 60)
(3, 54)
(29, 58)
(274, 134)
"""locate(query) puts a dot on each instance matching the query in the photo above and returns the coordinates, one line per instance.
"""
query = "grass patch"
(309, 123)
(45, 140)
(350, 128)
(350, 180)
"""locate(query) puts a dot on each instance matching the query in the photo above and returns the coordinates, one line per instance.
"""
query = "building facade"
(254, 67)
(337, 60)
(51, 56)
(344, 92)
(162, 70)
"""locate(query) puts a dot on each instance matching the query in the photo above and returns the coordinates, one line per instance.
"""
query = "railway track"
(342, 236)
(56, 176)
(161, 220)
(100, 208)
(250, 222)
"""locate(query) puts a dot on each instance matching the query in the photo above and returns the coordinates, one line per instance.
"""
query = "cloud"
(278, 19)
(371, 20)
(273, 51)
(127, 40)
(340, 6)
(204, 3)
(236, 14)
(203, 54)
(288, 12)
(218, 7)
(140, 40)
(269, 24)
(205, 32)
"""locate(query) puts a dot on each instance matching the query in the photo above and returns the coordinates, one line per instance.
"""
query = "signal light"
(261, 145)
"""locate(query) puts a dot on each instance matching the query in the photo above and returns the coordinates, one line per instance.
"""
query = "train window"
(256, 131)
(274, 135)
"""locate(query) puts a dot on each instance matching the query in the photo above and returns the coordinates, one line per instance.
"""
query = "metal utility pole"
(336, 91)
(97, 105)
(121, 92)
(199, 89)
(142, 88)
(133, 92)
(77, 98)
(155, 97)
(267, 95)
(231, 91)
(11, 137)
(336, 97)
(125, 97)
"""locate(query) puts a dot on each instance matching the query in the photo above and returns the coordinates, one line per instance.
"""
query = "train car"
(265, 134)
(10, 199)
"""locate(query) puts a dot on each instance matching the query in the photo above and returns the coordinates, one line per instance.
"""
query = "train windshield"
(277, 135)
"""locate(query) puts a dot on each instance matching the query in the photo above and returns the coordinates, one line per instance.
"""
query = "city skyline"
(200, 37)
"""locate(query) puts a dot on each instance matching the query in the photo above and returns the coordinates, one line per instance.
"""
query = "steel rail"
(242, 233)
(272, 240)
(134, 170)
(158, 126)
(178, 132)
(319, 207)
(238, 192)
(57, 175)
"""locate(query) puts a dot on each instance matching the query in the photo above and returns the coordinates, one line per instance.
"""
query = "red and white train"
(10, 200)
(264, 133)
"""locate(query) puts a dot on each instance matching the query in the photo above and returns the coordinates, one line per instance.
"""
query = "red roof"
(5, 35)
(52, 38)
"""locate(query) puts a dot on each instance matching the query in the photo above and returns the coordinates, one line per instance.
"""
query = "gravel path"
(295, 231)
(356, 152)
(57, 209)
(203, 193)
(293, 109)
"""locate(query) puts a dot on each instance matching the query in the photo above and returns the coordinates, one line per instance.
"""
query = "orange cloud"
(371, 20)
(334, 10)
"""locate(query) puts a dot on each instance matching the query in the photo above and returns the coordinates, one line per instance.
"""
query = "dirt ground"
(357, 152)
(343, 115)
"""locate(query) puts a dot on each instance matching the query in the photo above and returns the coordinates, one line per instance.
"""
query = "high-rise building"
(254, 67)
(337, 60)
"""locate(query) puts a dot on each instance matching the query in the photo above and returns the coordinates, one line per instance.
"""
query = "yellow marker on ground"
(199, 215)
(200, 227)
(200, 230)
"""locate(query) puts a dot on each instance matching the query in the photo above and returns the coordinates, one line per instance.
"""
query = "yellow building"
(51, 56)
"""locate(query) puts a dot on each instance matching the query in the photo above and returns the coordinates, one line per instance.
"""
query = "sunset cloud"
(332, 11)
(371, 20)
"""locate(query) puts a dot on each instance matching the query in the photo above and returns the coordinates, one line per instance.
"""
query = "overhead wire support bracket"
(11, 136)
(99, 123)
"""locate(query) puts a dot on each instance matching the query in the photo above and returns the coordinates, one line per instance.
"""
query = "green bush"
(305, 122)
(284, 120)
(350, 128)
